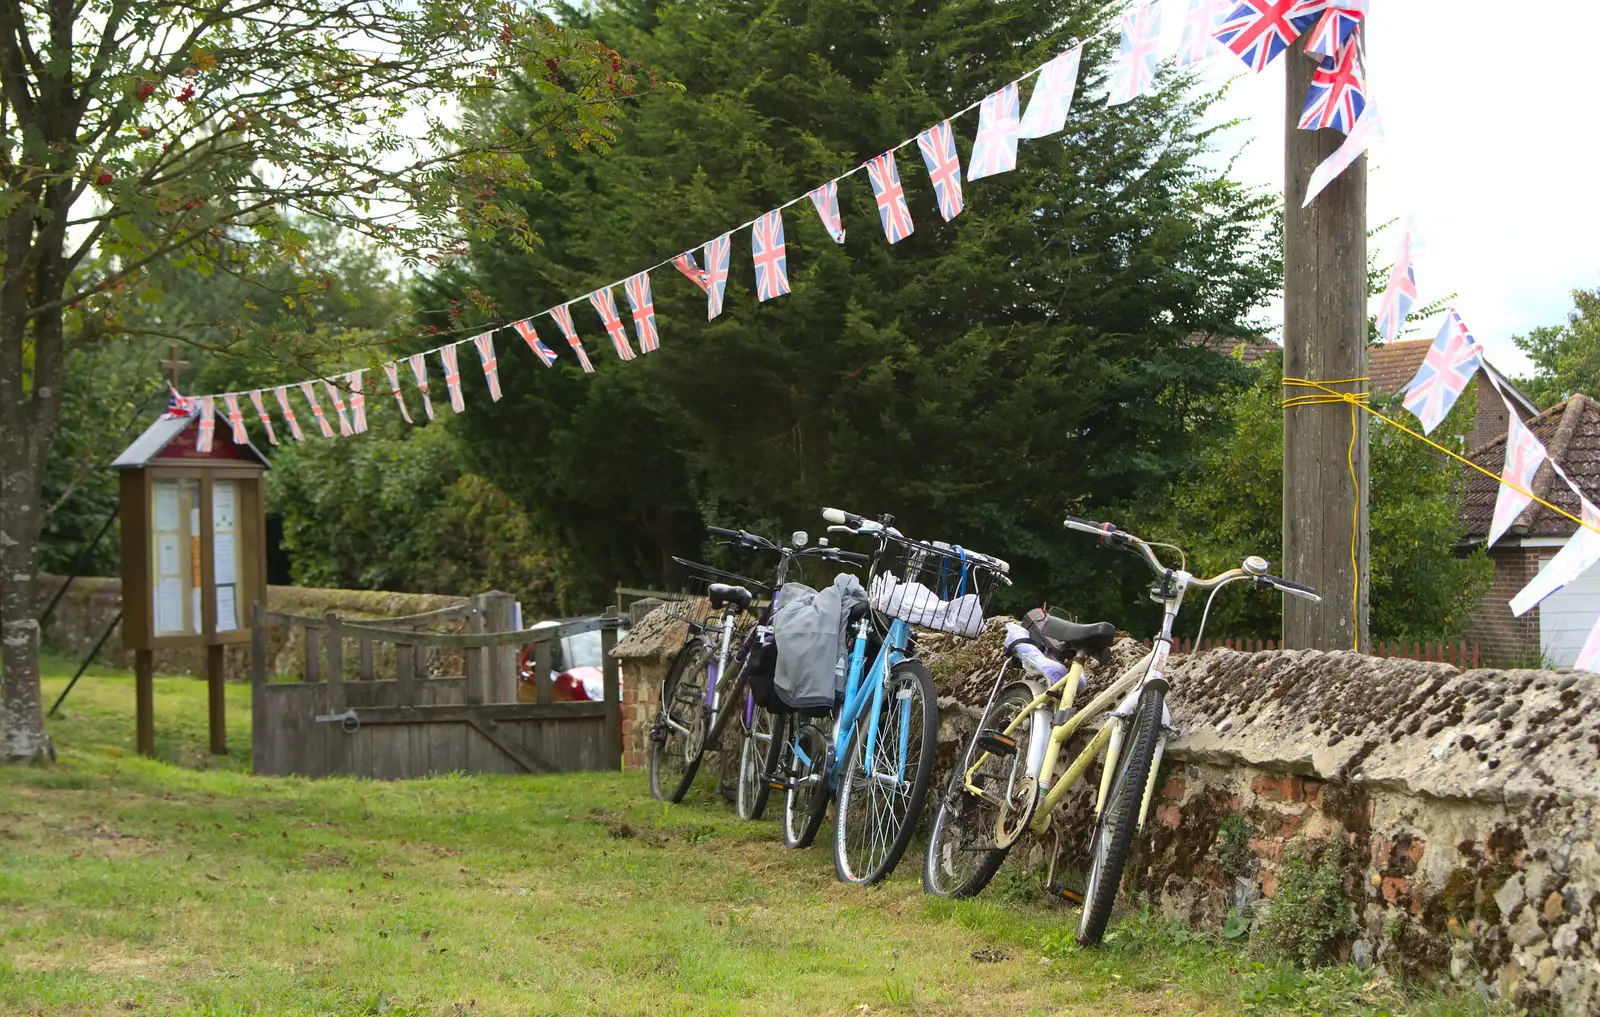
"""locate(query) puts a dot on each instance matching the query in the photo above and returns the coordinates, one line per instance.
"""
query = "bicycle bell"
(799, 538)
(1256, 565)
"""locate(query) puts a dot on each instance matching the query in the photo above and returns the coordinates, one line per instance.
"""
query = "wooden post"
(335, 635)
(258, 680)
(500, 662)
(1324, 339)
(366, 659)
(476, 656)
(610, 680)
(543, 685)
(144, 701)
(217, 694)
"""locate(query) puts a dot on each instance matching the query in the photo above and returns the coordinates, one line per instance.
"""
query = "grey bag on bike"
(809, 630)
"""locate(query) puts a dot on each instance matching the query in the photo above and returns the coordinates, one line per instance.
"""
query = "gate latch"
(348, 720)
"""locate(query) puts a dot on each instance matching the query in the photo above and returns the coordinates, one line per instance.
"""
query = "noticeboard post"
(193, 555)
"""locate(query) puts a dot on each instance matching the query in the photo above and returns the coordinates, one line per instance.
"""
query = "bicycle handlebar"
(1291, 588)
(1114, 537)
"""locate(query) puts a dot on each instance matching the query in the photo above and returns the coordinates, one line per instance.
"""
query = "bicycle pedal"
(1065, 892)
(997, 743)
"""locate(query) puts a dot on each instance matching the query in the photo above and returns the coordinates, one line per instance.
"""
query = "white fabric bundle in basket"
(915, 604)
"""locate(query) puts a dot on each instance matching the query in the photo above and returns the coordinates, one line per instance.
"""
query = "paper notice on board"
(166, 507)
(169, 605)
(222, 507)
(227, 611)
(222, 555)
(167, 555)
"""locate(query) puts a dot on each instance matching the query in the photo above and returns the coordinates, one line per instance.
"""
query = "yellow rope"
(1326, 396)
(1323, 395)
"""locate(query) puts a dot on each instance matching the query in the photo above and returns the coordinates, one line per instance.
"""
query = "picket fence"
(1462, 654)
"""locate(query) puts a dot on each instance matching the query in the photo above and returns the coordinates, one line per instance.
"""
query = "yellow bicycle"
(1006, 786)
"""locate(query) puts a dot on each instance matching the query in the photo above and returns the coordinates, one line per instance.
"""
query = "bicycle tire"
(803, 808)
(751, 801)
(864, 850)
(1119, 820)
(963, 820)
(683, 699)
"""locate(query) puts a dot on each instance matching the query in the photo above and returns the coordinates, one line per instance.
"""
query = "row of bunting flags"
(1256, 31)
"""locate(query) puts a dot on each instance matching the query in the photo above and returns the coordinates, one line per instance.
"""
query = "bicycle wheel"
(806, 801)
(963, 854)
(753, 752)
(678, 736)
(1119, 819)
(881, 798)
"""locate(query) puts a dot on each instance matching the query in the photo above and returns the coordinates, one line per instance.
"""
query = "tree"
(1566, 357)
(1231, 503)
(976, 379)
(139, 135)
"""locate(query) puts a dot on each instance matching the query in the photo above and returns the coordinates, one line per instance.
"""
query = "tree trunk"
(1324, 340)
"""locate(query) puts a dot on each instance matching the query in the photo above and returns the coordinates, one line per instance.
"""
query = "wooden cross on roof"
(173, 366)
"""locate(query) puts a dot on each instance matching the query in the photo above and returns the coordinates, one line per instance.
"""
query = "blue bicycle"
(874, 751)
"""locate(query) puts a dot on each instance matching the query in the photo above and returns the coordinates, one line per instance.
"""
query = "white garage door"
(1567, 615)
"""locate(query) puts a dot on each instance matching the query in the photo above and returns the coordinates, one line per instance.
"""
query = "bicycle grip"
(839, 517)
(1294, 589)
(1101, 530)
(852, 556)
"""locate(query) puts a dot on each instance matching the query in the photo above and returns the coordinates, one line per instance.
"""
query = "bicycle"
(1008, 790)
(759, 725)
(697, 699)
(692, 711)
(878, 756)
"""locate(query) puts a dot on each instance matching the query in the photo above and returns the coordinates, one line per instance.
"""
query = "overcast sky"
(1485, 149)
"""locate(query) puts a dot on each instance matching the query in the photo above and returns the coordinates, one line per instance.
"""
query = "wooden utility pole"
(1324, 339)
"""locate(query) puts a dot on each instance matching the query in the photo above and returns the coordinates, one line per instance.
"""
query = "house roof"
(161, 434)
(1248, 351)
(1391, 366)
(1570, 432)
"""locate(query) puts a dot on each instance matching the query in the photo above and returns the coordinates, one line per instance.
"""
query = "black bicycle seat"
(1061, 636)
(722, 593)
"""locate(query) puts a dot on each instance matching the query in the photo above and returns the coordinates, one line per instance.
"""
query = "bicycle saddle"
(1061, 635)
(722, 593)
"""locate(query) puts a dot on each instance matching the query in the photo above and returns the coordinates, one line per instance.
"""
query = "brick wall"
(1506, 639)
(1492, 418)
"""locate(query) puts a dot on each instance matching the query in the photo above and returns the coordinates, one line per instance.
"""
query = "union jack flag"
(686, 264)
(1258, 30)
(338, 408)
(282, 392)
(452, 376)
(938, 144)
(1337, 22)
(484, 341)
(358, 402)
(1368, 129)
(885, 179)
(770, 255)
(563, 316)
(1577, 556)
(605, 304)
(1589, 656)
(266, 418)
(716, 254)
(419, 371)
(1200, 26)
(994, 150)
(1524, 455)
(1052, 96)
(1452, 360)
(637, 288)
(208, 425)
(391, 371)
(316, 409)
(826, 200)
(179, 405)
(1401, 293)
(236, 419)
(1134, 73)
(530, 335)
(1338, 93)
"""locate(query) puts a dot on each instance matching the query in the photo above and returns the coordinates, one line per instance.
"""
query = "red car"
(577, 677)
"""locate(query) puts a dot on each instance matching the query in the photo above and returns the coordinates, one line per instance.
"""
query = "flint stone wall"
(1466, 803)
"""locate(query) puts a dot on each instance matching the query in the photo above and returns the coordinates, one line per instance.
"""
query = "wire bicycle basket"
(694, 583)
(934, 585)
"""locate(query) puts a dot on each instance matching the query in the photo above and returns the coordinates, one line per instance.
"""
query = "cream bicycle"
(1006, 786)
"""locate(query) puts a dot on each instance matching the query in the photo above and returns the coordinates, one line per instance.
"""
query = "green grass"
(185, 886)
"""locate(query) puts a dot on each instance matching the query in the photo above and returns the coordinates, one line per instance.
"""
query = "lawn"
(185, 886)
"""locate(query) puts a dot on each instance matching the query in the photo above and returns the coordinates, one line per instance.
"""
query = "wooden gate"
(344, 720)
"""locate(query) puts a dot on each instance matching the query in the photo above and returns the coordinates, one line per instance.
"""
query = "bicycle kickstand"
(1053, 888)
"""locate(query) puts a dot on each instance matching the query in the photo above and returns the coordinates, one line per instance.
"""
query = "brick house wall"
(1492, 418)
(1505, 638)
